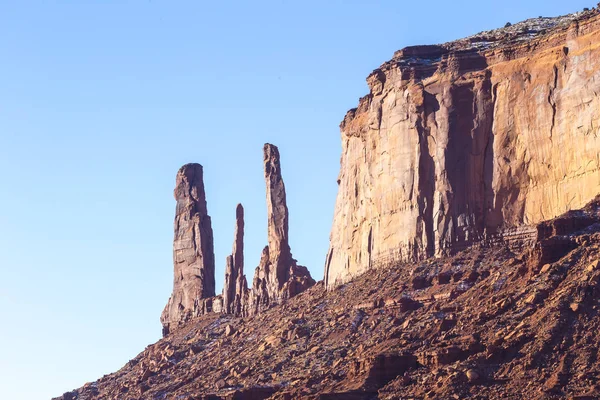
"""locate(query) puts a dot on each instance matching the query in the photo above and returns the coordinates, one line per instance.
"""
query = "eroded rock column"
(235, 287)
(278, 277)
(193, 250)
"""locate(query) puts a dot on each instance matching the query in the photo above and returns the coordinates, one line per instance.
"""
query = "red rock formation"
(193, 250)
(463, 141)
(278, 277)
(235, 289)
(487, 322)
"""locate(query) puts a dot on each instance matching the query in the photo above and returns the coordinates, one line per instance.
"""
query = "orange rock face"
(459, 142)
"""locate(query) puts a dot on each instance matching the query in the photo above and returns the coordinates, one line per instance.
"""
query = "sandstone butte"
(466, 141)
(467, 189)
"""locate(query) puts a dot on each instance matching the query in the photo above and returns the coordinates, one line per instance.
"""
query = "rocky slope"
(460, 142)
(489, 322)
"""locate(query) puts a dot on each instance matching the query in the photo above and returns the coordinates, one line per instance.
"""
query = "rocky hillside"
(489, 322)
(464, 141)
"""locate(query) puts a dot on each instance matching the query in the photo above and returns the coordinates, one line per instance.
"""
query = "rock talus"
(193, 250)
(459, 142)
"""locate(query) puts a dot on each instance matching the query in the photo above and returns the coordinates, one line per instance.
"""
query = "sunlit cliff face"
(460, 142)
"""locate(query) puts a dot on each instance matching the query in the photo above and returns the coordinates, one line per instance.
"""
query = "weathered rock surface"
(236, 288)
(193, 250)
(460, 142)
(278, 276)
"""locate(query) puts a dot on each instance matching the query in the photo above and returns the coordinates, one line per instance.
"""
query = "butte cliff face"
(472, 141)
(461, 142)
(193, 249)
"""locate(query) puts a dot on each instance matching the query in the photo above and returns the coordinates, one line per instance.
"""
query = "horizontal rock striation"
(459, 143)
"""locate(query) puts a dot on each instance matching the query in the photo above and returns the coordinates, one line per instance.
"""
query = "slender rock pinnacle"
(193, 249)
(235, 281)
(278, 277)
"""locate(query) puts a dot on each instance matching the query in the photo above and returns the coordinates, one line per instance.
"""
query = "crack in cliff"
(552, 102)
(426, 176)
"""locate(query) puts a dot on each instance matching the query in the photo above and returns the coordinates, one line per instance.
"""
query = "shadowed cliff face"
(459, 142)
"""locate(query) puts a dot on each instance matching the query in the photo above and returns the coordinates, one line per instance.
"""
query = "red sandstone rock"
(278, 276)
(463, 142)
(193, 252)
(235, 289)
(487, 342)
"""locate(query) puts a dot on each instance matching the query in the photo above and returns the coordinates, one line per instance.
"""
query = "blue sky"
(102, 101)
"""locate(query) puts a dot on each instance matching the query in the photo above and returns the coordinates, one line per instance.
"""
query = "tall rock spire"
(235, 282)
(278, 216)
(277, 277)
(193, 249)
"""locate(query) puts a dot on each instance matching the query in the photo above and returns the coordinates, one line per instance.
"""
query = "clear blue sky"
(102, 101)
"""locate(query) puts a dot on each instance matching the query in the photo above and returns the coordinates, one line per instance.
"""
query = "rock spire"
(235, 287)
(278, 277)
(193, 249)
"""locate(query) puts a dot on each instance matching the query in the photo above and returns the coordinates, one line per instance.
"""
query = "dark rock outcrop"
(193, 250)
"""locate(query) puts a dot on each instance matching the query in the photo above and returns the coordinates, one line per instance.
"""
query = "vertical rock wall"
(460, 142)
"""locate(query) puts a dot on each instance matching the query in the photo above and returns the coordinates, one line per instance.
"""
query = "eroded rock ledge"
(277, 278)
